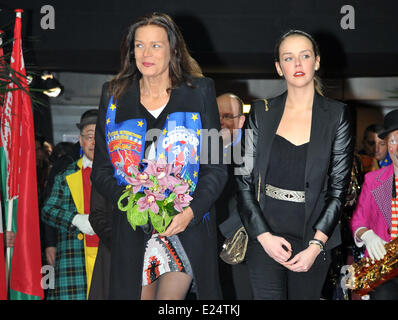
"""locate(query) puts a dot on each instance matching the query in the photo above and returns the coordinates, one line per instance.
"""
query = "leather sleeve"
(246, 179)
(339, 175)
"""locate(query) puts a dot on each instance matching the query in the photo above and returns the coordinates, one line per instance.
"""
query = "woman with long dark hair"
(160, 86)
(301, 146)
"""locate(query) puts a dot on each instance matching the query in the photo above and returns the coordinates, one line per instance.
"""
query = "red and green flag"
(18, 181)
(3, 281)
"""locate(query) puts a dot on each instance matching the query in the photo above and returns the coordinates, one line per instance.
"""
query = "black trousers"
(386, 291)
(272, 281)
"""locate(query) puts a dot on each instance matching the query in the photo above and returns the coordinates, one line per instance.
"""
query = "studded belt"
(284, 194)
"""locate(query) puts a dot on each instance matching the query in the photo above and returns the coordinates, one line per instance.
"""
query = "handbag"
(234, 249)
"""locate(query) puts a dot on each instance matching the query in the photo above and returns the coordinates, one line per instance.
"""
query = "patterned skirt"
(164, 254)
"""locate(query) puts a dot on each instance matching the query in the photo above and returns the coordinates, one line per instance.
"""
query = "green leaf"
(139, 195)
(130, 218)
(141, 217)
(160, 221)
(170, 209)
(122, 197)
(170, 198)
(136, 217)
(134, 226)
(153, 179)
(167, 220)
(156, 221)
(160, 204)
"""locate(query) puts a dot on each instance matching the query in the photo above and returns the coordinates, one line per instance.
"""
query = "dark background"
(229, 38)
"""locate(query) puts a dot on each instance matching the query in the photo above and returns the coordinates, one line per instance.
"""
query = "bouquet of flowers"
(156, 191)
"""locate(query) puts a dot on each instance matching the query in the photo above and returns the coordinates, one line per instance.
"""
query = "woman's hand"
(273, 247)
(179, 223)
(303, 261)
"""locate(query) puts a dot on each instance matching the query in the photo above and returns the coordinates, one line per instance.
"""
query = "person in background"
(234, 278)
(43, 153)
(67, 209)
(290, 200)
(62, 149)
(47, 148)
(372, 156)
(375, 218)
(374, 153)
(64, 153)
(232, 119)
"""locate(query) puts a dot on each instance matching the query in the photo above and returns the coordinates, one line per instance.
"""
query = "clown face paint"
(393, 147)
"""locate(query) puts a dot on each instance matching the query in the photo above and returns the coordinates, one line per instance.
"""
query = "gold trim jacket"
(327, 170)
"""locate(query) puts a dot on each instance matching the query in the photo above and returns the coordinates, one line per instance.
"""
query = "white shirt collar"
(86, 162)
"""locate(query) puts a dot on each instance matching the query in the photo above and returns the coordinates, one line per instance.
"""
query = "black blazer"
(199, 239)
(101, 221)
(327, 171)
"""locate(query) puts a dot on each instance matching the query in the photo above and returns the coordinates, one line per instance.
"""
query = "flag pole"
(3, 295)
(6, 269)
(9, 228)
(9, 216)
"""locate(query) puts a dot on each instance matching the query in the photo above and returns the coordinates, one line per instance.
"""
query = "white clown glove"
(81, 222)
(374, 244)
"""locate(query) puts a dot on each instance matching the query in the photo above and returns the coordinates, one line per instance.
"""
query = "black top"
(287, 164)
(286, 170)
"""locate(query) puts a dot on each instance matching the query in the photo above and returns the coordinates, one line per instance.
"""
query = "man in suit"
(67, 209)
(234, 279)
(59, 164)
(375, 218)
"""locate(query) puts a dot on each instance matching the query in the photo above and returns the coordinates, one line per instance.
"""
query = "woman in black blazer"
(300, 147)
(160, 91)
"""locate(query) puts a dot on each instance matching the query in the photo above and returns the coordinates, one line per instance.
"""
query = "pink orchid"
(149, 201)
(162, 171)
(141, 179)
(182, 198)
(176, 172)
